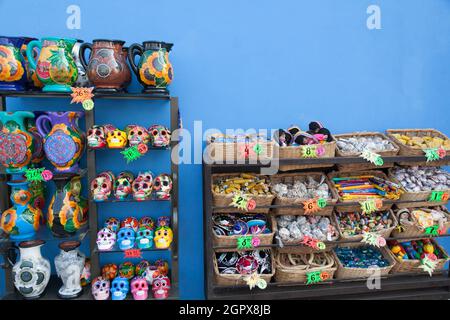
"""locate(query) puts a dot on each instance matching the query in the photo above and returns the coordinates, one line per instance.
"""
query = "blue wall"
(267, 64)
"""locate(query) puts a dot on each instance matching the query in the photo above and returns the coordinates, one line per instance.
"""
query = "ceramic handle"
(11, 254)
(40, 125)
(30, 47)
(81, 53)
(134, 50)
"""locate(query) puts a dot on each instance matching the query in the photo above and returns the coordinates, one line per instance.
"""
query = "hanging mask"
(116, 139)
(139, 288)
(137, 134)
(148, 222)
(119, 288)
(160, 287)
(101, 186)
(162, 186)
(159, 136)
(144, 238)
(142, 190)
(163, 237)
(100, 288)
(110, 271)
(130, 222)
(96, 138)
(122, 185)
(150, 274)
(141, 267)
(126, 270)
(112, 223)
(106, 239)
(126, 238)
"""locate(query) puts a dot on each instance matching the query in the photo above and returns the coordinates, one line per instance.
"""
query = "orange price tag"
(310, 206)
(79, 95)
(133, 253)
(445, 196)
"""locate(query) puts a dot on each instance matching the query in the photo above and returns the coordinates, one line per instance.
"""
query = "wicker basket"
(231, 241)
(352, 206)
(295, 152)
(414, 230)
(354, 273)
(224, 200)
(289, 178)
(284, 273)
(410, 151)
(385, 233)
(297, 247)
(230, 152)
(237, 279)
(368, 165)
(412, 265)
(418, 199)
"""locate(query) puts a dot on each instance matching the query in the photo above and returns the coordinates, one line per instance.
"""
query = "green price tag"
(321, 203)
(438, 196)
(242, 202)
(368, 206)
(258, 149)
(313, 277)
(131, 154)
(431, 154)
(34, 174)
(373, 239)
(309, 151)
(372, 157)
(432, 231)
(244, 242)
(321, 246)
(428, 264)
(88, 104)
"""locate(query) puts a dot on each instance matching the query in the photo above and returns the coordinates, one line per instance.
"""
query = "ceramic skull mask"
(122, 185)
(144, 238)
(100, 288)
(139, 288)
(137, 134)
(106, 239)
(101, 188)
(160, 136)
(116, 139)
(112, 223)
(160, 287)
(119, 288)
(163, 237)
(126, 238)
(96, 137)
(162, 186)
(130, 222)
(142, 190)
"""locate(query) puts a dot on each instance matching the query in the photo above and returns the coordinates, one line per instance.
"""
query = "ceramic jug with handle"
(55, 67)
(63, 139)
(107, 69)
(13, 72)
(154, 70)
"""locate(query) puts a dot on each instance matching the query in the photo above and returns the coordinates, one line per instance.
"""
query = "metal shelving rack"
(393, 286)
(91, 174)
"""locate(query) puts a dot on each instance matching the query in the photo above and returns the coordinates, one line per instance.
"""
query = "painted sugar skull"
(137, 134)
(130, 222)
(96, 138)
(112, 223)
(116, 139)
(141, 267)
(122, 185)
(142, 189)
(163, 237)
(126, 238)
(139, 288)
(159, 136)
(110, 271)
(106, 239)
(119, 288)
(162, 186)
(144, 237)
(160, 287)
(101, 186)
(163, 267)
(150, 274)
(147, 221)
(126, 270)
(163, 221)
(100, 288)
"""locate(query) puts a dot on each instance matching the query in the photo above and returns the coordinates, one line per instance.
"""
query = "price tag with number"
(373, 239)
(243, 202)
(434, 154)
(38, 174)
(438, 196)
(372, 157)
(316, 277)
(371, 205)
(247, 242)
(133, 253)
(429, 263)
(314, 205)
(83, 96)
(313, 243)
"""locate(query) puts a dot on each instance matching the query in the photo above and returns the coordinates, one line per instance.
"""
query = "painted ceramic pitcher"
(154, 70)
(55, 66)
(63, 139)
(32, 272)
(13, 72)
(21, 221)
(69, 265)
(16, 144)
(82, 79)
(107, 68)
(67, 213)
(33, 81)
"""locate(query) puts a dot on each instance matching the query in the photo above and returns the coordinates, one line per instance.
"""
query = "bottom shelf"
(409, 286)
(55, 283)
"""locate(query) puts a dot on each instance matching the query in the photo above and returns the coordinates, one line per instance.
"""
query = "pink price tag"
(381, 241)
(47, 175)
(256, 242)
(320, 150)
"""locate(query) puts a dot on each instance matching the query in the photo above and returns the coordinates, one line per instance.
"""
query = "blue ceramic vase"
(13, 71)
